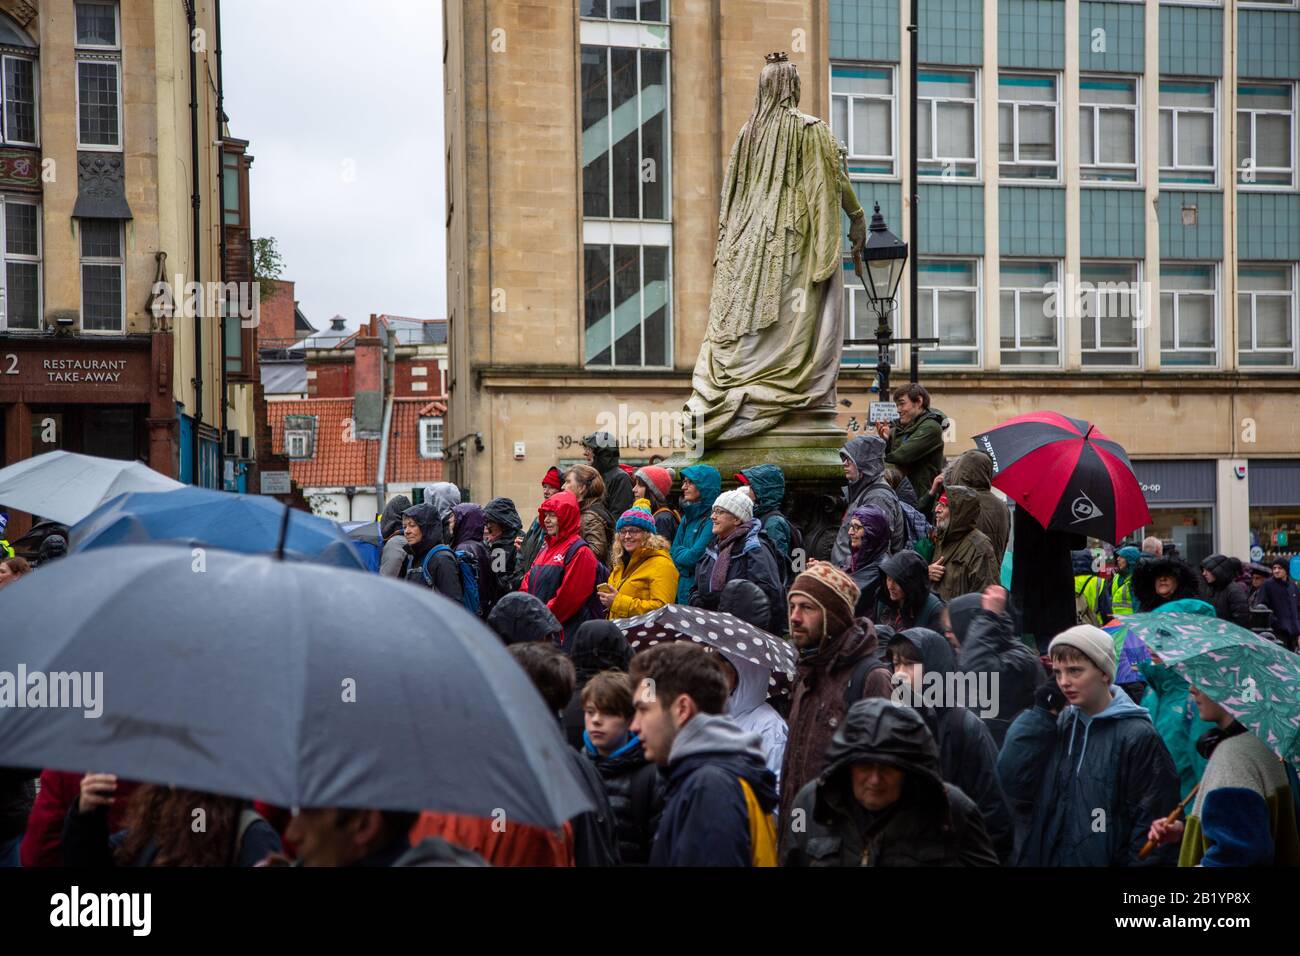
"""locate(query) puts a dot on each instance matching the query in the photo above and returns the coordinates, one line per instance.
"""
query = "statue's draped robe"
(775, 325)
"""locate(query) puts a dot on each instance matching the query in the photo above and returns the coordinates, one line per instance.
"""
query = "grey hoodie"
(444, 496)
(393, 554)
(748, 709)
(868, 453)
(714, 734)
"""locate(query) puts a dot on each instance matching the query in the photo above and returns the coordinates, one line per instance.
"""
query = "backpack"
(469, 596)
(1083, 611)
(858, 681)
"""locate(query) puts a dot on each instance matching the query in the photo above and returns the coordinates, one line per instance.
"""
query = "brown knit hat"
(831, 590)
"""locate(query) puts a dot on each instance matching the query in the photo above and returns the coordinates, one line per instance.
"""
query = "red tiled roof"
(340, 459)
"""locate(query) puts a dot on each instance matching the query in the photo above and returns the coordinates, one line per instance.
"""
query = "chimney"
(338, 324)
(368, 382)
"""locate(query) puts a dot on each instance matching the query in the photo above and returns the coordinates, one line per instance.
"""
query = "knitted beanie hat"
(636, 518)
(1093, 643)
(660, 479)
(553, 479)
(831, 590)
(736, 502)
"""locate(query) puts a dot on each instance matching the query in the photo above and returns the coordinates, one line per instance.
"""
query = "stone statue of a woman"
(775, 325)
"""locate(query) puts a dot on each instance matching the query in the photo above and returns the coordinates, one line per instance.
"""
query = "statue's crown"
(777, 57)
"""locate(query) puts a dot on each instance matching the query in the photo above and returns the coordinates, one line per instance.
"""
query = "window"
(947, 137)
(19, 101)
(230, 193)
(103, 305)
(1266, 134)
(626, 196)
(1111, 314)
(625, 305)
(860, 322)
(22, 275)
(647, 11)
(300, 436)
(1189, 314)
(624, 133)
(1030, 306)
(99, 77)
(1027, 126)
(97, 26)
(430, 437)
(862, 117)
(949, 310)
(1108, 129)
(1266, 314)
(297, 444)
(1188, 127)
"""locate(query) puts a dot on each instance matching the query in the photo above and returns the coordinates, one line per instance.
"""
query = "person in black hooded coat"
(1229, 596)
(501, 527)
(989, 645)
(597, 646)
(932, 823)
(603, 450)
(919, 606)
(520, 617)
(1161, 580)
(422, 528)
(968, 757)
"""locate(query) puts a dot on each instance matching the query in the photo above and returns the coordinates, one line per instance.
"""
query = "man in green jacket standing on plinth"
(915, 442)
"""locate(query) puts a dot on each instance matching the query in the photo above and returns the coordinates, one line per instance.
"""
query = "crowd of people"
(1058, 750)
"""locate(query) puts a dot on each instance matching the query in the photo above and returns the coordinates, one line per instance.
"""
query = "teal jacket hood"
(768, 484)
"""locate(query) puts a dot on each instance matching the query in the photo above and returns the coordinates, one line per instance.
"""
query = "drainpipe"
(196, 202)
(381, 488)
(221, 237)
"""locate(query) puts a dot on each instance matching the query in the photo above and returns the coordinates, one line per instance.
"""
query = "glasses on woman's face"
(854, 526)
(632, 532)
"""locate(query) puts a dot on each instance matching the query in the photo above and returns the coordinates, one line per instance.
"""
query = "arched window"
(18, 56)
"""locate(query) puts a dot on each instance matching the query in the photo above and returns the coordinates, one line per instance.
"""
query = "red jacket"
(43, 842)
(501, 844)
(580, 576)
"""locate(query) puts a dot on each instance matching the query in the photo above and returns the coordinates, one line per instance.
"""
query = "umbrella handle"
(1174, 814)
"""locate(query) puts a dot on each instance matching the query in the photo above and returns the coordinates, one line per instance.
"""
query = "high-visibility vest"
(1121, 596)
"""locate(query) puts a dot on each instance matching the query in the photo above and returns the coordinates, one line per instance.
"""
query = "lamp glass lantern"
(884, 257)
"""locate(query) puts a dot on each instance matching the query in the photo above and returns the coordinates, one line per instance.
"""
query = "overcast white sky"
(342, 103)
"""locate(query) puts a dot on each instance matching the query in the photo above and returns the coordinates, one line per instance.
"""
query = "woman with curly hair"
(165, 826)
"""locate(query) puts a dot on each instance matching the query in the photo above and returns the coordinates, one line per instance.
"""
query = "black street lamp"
(884, 256)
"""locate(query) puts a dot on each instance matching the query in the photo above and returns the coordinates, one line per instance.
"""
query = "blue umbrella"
(298, 684)
(199, 517)
(365, 535)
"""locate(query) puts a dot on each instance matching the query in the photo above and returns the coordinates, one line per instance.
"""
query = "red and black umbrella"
(1067, 474)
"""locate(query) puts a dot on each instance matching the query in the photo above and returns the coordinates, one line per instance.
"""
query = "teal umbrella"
(1255, 680)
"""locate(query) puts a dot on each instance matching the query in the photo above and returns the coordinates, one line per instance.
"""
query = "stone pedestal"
(806, 447)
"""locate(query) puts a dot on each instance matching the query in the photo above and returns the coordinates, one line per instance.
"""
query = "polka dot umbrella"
(714, 630)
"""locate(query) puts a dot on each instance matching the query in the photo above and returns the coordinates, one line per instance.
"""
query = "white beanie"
(737, 502)
(1093, 643)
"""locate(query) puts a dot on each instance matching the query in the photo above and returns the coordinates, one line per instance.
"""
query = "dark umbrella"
(716, 629)
(294, 683)
(1067, 474)
(366, 532)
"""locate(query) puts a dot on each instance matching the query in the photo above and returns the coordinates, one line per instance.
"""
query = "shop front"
(110, 397)
(1274, 508)
(1181, 497)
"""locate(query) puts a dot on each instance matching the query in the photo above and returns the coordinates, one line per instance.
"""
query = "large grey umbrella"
(66, 486)
(298, 684)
